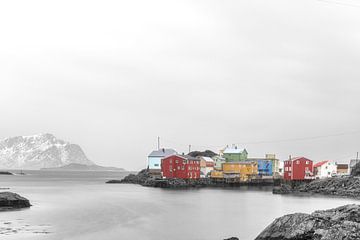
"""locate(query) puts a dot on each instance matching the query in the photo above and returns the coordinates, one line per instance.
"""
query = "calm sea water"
(80, 206)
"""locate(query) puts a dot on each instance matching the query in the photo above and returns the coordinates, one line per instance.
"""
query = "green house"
(235, 154)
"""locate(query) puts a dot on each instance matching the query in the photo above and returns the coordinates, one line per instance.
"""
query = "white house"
(206, 165)
(325, 169)
(218, 161)
(154, 158)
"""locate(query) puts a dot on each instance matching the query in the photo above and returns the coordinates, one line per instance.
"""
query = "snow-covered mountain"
(39, 151)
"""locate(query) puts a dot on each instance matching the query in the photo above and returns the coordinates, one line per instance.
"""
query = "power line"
(272, 141)
(303, 138)
(340, 3)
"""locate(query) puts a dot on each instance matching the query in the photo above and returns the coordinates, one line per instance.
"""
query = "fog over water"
(111, 76)
(80, 206)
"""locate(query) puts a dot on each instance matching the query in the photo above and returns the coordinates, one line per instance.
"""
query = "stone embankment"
(342, 223)
(11, 201)
(145, 179)
(346, 186)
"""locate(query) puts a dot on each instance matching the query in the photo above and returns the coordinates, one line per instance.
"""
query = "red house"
(299, 168)
(180, 166)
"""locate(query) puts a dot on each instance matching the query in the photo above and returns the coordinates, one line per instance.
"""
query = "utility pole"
(158, 143)
(189, 148)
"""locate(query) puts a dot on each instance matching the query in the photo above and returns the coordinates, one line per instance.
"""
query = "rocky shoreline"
(12, 201)
(342, 223)
(145, 179)
(346, 186)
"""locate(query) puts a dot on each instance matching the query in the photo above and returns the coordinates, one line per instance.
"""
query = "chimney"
(289, 157)
(163, 150)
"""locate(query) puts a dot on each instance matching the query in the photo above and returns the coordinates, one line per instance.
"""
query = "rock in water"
(9, 201)
(342, 223)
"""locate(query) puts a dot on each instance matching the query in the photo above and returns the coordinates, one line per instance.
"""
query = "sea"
(73, 205)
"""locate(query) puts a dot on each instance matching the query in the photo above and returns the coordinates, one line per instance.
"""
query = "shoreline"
(145, 179)
(343, 187)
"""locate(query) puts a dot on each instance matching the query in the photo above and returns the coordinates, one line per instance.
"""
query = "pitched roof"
(208, 159)
(298, 158)
(234, 150)
(185, 157)
(319, 164)
(162, 152)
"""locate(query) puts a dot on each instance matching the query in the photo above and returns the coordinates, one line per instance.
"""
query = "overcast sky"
(111, 76)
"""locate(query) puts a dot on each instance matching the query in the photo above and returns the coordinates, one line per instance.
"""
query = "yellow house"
(217, 174)
(242, 168)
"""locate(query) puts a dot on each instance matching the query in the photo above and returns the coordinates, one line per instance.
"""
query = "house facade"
(206, 165)
(299, 168)
(240, 170)
(154, 158)
(234, 154)
(265, 166)
(180, 166)
(325, 169)
(218, 161)
(275, 163)
(342, 169)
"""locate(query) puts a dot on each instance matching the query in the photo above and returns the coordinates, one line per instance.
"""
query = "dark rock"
(346, 186)
(232, 238)
(341, 223)
(206, 153)
(144, 178)
(5, 173)
(282, 189)
(9, 201)
(114, 181)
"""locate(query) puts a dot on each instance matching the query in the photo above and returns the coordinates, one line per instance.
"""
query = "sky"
(279, 76)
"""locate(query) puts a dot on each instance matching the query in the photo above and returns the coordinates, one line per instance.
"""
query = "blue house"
(265, 167)
(154, 158)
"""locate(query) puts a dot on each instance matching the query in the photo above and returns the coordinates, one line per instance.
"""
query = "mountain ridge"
(82, 167)
(39, 151)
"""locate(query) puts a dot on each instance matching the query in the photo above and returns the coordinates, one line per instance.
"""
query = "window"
(297, 162)
(289, 174)
(182, 168)
(156, 165)
(170, 160)
(178, 168)
(286, 168)
(176, 161)
(307, 162)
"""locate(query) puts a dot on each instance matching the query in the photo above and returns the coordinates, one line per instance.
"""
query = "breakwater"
(346, 186)
(146, 179)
